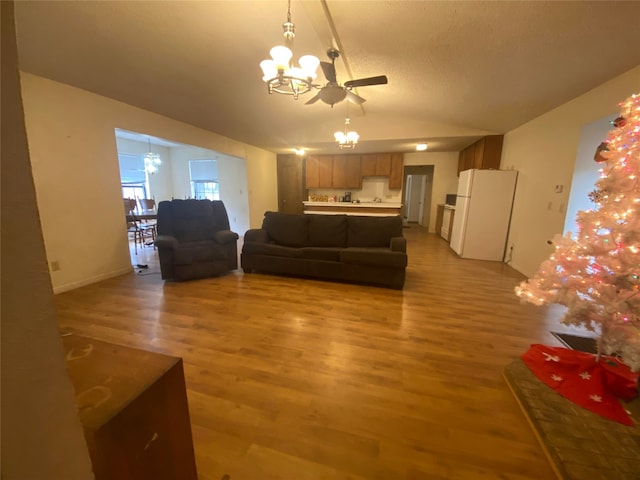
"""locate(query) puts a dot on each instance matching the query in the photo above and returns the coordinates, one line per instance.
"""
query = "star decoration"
(557, 378)
(550, 358)
(596, 398)
(585, 375)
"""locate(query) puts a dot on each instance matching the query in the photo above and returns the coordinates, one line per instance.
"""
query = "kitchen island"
(373, 209)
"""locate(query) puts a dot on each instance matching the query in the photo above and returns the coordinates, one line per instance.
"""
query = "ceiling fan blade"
(329, 71)
(363, 82)
(313, 99)
(353, 98)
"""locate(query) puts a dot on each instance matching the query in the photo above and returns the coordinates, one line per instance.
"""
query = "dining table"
(145, 215)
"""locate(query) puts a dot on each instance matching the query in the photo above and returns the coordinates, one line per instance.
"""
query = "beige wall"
(75, 168)
(544, 151)
(445, 176)
(41, 433)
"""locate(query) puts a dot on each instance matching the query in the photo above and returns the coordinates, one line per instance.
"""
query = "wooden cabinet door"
(395, 177)
(368, 164)
(439, 218)
(492, 154)
(339, 174)
(460, 161)
(469, 157)
(478, 154)
(312, 174)
(353, 176)
(325, 171)
(383, 164)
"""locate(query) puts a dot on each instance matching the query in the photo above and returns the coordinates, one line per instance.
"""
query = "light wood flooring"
(299, 379)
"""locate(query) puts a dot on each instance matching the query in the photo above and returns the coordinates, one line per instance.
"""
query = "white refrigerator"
(483, 213)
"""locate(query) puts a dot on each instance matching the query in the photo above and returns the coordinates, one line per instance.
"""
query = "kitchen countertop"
(350, 204)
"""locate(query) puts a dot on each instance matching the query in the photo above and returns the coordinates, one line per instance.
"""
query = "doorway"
(417, 187)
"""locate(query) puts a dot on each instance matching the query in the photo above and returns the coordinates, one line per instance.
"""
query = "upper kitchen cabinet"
(368, 164)
(346, 171)
(319, 171)
(375, 165)
(484, 154)
(395, 176)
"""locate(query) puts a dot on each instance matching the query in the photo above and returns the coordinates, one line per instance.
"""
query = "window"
(134, 191)
(133, 178)
(209, 190)
(204, 179)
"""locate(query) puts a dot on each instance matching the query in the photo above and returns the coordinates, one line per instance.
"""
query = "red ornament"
(619, 122)
(603, 147)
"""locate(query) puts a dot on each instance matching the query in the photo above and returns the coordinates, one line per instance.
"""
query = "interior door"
(291, 191)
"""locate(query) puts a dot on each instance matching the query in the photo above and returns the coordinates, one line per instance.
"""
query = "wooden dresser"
(134, 411)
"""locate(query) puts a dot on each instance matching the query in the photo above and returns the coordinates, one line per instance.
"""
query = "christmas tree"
(596, 272)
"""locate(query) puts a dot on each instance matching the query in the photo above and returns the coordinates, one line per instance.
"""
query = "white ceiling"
(458, 70)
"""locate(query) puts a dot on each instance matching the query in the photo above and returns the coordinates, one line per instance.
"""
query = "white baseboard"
(89, 281)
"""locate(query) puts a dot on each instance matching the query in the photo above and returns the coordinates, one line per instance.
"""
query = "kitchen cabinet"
(368, 165)
(346, 171)
(375, 165)
(484, 154)
(488, 152)
(383, 164)
(395, 176)
(319, 171)
(439, 217)
(447, 222)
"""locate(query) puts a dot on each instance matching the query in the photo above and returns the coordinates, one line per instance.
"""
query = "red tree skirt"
(578, 377)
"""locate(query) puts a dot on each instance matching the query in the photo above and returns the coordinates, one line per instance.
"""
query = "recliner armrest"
(399, 244)
(257, 235)
(225, 236)
(167, 241)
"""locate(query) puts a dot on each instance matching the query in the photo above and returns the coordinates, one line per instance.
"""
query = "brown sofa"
(358, 249)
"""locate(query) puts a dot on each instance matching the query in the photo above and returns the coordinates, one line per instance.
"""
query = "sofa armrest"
(256, 235)
(167, 241)
(225, 236)
(399, 244)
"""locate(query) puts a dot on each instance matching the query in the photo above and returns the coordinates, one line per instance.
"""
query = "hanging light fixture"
(346, 138)
(278, 73)
(151, 161)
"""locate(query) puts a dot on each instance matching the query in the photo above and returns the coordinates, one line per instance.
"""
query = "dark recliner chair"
(194, 239)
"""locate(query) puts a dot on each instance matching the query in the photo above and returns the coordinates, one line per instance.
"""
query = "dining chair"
(148, 205)
(139, 232)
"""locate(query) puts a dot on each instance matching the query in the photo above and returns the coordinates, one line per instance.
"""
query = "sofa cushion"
(327, 254)
(271, 249)
(286, 229)
(195, 252)
(327, 230)
(373, 231)
(378, 257)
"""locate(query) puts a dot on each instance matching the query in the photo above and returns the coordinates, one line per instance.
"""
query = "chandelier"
(278, 73)
(346, 139)
(151, 161)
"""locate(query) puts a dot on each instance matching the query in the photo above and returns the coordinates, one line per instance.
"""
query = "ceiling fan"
(333, 92)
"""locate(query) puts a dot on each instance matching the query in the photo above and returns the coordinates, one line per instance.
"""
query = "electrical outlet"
(55, 265)
(559, 188)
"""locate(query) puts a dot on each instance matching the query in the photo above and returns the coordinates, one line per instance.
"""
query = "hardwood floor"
(290, 378)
